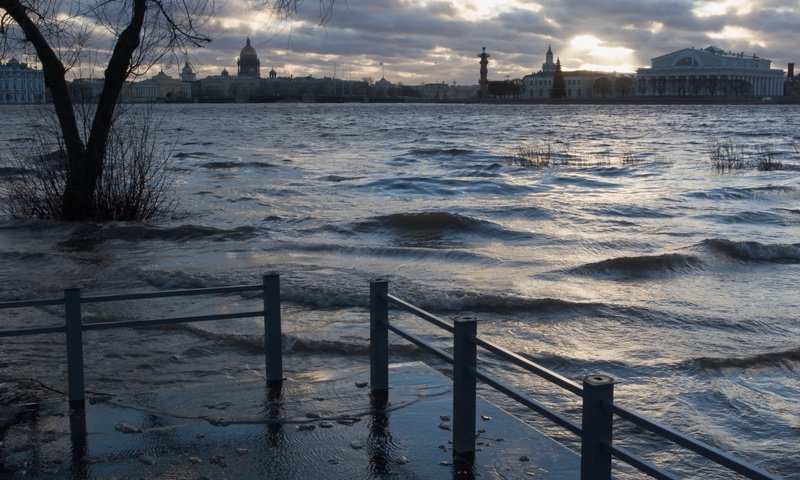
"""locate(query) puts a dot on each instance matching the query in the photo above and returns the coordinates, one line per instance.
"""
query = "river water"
(638, 259)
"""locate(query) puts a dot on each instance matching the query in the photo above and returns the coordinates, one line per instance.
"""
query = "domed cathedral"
(249, 65)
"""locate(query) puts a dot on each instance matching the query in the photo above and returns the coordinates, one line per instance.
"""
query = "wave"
(435, 226)
(739, 193)
(758, 360)
(434, 152)
(182, 233)
(451, 186)
(641, 266)
(754, 251)
(230, 164)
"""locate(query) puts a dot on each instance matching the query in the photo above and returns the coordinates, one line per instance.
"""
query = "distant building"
(248, 62)
(578, 83)
(709, 72)
(20, 83)
(158, 88)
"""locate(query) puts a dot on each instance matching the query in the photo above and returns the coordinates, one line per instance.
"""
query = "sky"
(426, 41)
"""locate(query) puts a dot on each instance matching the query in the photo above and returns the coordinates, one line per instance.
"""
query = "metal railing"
(597, 392)
(74, 327)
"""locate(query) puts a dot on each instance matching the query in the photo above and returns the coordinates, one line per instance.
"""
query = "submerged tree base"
(135, 183)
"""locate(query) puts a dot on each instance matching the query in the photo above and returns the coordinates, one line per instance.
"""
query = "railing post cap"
(272, 274)
(465, 320)
(599, 379)
(378, 280)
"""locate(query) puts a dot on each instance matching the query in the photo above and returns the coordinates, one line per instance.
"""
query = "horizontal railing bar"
(170, 321)
(403, 305)
(32, 303)
(532, 367)
(712, 453)
(641, 464)
(422, 343)
(550, 414)
(170, 293)
(32, 331)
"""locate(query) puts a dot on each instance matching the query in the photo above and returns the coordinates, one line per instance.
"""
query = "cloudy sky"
(420, 41)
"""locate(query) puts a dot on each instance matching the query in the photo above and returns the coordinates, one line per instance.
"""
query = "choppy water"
(677, 280)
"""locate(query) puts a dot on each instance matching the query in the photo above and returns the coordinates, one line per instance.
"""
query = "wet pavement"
(320, 425)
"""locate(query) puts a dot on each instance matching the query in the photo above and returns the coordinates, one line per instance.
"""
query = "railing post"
(464, 365)
(273, 346)
(74, 330)
(378, 335)
(597, 427)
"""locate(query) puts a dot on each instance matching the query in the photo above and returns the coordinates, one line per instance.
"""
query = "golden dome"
(248, 50)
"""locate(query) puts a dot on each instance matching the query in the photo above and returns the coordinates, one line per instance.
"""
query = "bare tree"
(141, 32)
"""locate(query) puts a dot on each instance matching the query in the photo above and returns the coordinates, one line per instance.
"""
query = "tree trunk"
(55, 81)
(84, 162)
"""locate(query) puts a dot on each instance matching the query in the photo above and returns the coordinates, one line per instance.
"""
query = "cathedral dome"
(248, 50)
(248, 64)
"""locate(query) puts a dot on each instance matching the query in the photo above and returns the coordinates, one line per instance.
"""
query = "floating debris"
(524, 458)
(348, 420)
(312, 415)
(319, 399)
(219, 422)
(485, 418)
(219, 406)
(333, 461)
(499, 439)
(218, 460)
(402, 461)
(444, 418)
(195, 460)
(356, 445)
(443, 447)
(361, 384)
(444, 426)
(305, 428)
(199, 436)
(147, 459)
(241, 451)
(325, 425)
(90, 460)
(127, 428)
(445, 463)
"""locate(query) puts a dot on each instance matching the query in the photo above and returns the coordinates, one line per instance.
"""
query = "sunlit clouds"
(416, 41)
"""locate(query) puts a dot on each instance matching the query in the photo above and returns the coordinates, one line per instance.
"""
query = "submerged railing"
(597, 391)
(74, 327)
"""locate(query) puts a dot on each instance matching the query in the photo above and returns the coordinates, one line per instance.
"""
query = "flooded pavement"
(322, 424)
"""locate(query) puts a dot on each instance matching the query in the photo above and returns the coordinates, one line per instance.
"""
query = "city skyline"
(426, 42)
(417, 42)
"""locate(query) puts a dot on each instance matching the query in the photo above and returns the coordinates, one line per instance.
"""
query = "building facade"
(21, 84)
(579, 84)
(709, 72)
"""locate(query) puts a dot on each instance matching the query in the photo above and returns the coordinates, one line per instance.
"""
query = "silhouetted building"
(20, 83)
(483, 83)
(709, 72)
(577, 83)
(248, 63)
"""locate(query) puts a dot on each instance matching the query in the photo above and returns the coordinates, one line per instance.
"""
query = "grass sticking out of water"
(560, 155)
(727, 157)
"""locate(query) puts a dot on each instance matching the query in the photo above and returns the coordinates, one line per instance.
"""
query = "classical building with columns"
(21, 84)
(709, 72)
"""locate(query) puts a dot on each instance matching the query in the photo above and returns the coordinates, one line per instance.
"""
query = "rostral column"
(484, 82)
